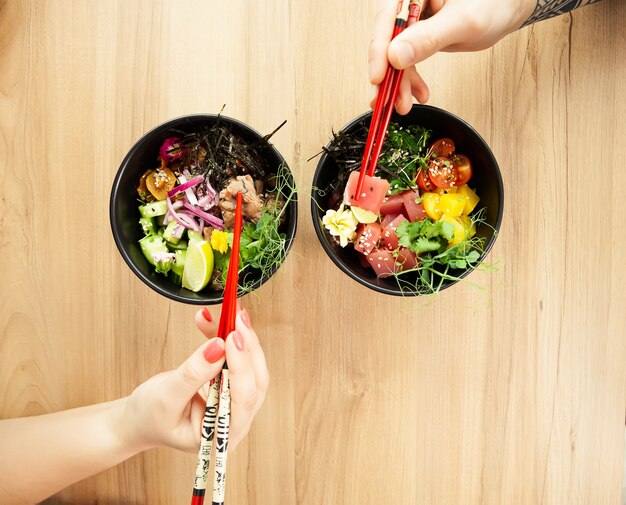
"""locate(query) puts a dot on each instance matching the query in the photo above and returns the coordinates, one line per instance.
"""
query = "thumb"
(203, 365)
(425, 38)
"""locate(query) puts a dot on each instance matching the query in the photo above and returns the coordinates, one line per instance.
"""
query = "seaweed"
(218, 153)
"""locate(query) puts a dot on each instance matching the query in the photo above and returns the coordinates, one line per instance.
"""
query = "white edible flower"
(341, 223)
(163, 261)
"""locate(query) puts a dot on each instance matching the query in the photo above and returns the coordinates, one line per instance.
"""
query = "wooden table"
(512, 395)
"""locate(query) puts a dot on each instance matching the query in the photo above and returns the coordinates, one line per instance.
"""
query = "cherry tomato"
(442, 172)
(442, 147)
(463, 167)
(424, 182)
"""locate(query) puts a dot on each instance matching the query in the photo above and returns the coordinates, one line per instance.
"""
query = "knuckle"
(190, 374)
(376, 49)
(264, 383)
(431, 42)
(476, 23)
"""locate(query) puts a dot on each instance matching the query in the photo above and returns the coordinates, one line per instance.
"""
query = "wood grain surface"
(515, 394)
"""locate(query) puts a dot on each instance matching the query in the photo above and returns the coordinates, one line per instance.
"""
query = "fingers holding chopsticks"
(249, 378)
(412, 83)
(206, 323)
(383, 29)
(198, 369)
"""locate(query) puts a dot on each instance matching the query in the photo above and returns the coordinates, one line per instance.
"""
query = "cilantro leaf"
(425, 236)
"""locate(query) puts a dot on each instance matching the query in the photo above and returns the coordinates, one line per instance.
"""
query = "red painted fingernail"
(214, 351)
(245, 317)
(238, 339)
(207, 315)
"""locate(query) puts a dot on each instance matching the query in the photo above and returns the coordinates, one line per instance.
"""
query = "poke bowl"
(173, 200)
(425, 219)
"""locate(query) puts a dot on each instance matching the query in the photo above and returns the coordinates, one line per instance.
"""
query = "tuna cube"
(407, 258)
(393, 204)
(390, 239)
(413, 211)
(383, 262)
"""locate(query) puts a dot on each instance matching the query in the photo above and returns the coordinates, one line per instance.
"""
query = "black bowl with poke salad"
(173, 203)
(427, 216)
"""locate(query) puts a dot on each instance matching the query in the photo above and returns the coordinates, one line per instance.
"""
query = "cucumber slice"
(176, 273)
(150, 245)
(153, 209)
(168, 234)
(181, 246)
(147, 225)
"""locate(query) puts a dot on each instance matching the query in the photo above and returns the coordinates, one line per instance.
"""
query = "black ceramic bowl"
(486, 180)
(125, 215)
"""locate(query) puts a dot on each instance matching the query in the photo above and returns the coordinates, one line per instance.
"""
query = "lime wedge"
(364, 216)
(198, 265)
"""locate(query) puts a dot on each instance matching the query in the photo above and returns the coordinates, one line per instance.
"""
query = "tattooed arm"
(549, 8)
(43, 454)
(453, 25)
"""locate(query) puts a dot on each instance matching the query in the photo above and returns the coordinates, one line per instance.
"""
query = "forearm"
(44, 454)
(545, 9)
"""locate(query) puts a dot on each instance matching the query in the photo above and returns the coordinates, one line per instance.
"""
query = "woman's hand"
(453, 25)
(167, 409)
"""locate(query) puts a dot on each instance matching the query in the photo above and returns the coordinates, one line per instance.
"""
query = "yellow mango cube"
(452, 204)
(459, 230)
(431, 205)
(471, 199)
(470, 226)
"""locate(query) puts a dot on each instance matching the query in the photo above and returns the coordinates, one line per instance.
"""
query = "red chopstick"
(408, 13)
(217, 415)
(230, 292)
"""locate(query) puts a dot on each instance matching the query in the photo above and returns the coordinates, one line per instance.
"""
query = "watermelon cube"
(368, 238)
(393, 204)
(407, 258)
(390, 239)
(413, 211)
(372, 194)
(383, 262)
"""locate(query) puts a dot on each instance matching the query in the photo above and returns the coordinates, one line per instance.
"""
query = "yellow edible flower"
(219, 241)
(341, 223)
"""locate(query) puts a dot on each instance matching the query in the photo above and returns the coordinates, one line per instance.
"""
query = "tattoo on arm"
(549, 8)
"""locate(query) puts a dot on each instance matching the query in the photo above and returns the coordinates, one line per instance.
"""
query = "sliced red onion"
(206, 202)
(202, 224)
(185, 186)
(175, 205)
(190, 193)
(190, 222)
(212, 220)
(187, 173)
(181, 219)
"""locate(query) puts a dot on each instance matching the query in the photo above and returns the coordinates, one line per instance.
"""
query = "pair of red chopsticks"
(216, 420)
(408, 14)
(229, 306)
